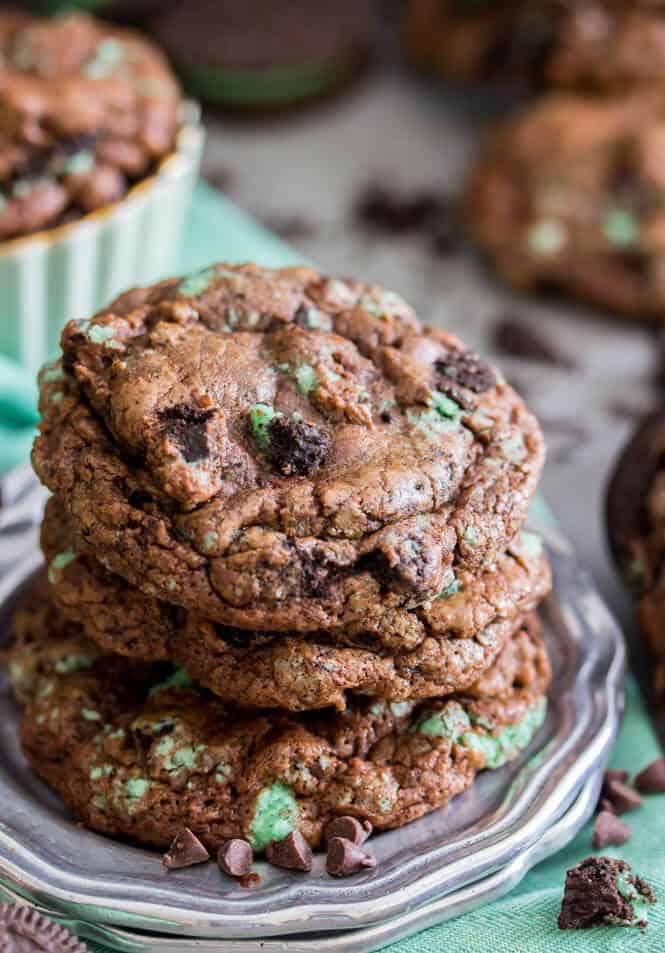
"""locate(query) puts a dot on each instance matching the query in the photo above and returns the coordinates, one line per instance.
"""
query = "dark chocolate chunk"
(393, 214)
(235, 857)
(465, 369)
(186, 426)
(623, 797)
(652, 779)
(349, 828)
(516, 338)
(293, 853)
(592, 897)
(185, 851)
(22, 929)
(609, 830)
(345, 858)
(297, 447)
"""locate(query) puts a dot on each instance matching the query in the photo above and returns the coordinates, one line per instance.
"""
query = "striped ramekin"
(72, 271)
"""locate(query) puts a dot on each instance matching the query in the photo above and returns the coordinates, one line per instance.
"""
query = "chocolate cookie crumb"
(603, 891)
(609, 830)
(292, 853)
(350, 828)
(249, 881)
(345, 858)
(516, 338)
(623, 797)
(23, 929)
(185, 851)
(652, 779)
(296, 447)
(235, 857)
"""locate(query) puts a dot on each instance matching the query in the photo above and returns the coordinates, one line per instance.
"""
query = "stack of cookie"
(287, 576)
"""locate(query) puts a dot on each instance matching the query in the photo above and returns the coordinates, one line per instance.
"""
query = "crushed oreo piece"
(296, 447)
(516, 338)
(23, 929)
(623, 797)
(235, 857)
(185, 851)
(603, 891)
(186, 426)
(349, 828)
(292, 853)
(608, 831)
(345, 858)
(465, 369)
(652, 779)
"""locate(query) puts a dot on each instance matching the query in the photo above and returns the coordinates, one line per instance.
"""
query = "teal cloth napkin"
(525, 921)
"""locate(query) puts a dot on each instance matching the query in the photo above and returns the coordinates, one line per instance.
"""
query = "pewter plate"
(364, 939)
(502, 818)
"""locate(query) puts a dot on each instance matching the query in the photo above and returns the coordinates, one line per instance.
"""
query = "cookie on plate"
(86, 111)
(436, 649)
(141, 751)
(569, 196)
(636, 527)
(270, 448)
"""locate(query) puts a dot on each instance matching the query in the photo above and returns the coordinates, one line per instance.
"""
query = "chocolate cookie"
(601, 45)
(85, 111)
(272, 447)
(569, 195)
(603, 891)
(636, 527)
(437, 649)
(137, 752)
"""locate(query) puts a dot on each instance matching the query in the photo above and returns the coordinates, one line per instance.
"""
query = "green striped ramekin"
(72, 271)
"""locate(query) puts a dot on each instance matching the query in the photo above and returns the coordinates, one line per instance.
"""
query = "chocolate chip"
(465, 369)
(606, 805)
(349, 828)
(345, 858)
(293, 853)
(297, 447)
(615, 774)
(185, 851)
(186, 426)
(609, 830)
(386, 211)
(623, 797)
(516, 338)
(652, 779)
(235, 857)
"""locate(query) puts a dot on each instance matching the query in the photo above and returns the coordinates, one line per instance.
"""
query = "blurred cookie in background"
(569, 196)
(635, 510)
(259, 54)
(602, 45)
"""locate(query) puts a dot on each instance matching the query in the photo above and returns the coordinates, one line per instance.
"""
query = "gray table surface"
(301, 174)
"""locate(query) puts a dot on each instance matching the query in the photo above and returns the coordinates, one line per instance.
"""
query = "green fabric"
(524, 922)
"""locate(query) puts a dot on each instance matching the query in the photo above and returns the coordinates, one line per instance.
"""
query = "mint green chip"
(275, 815)
(446, 406)
(260, 417)
(306, 379)
(501, 748)
(198, 282)
(620, 228)
(448, 722)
